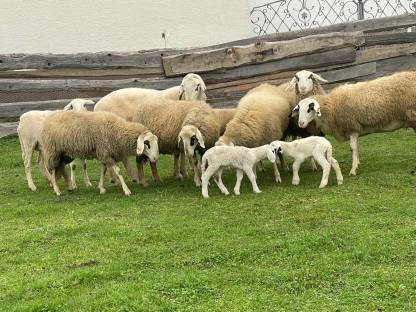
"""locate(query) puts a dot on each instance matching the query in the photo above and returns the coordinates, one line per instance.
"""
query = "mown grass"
(165, 248)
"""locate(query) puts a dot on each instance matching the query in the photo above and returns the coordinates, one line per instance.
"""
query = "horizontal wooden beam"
(260, 52)
(8, 129)
(391, 38)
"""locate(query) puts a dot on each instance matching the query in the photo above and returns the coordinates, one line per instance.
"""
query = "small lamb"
(243, 159)
(316, 147)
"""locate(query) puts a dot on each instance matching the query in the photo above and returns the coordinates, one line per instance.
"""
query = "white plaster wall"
(69, 26)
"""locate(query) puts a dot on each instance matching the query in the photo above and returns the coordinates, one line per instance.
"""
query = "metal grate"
(288, 15)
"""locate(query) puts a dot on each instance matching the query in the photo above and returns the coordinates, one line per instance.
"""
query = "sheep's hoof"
(340, 182)
(178, 176)
(205, 196)
(102, 191)
(295, 182)
(143, 183)
(32, 188)
(353, 173)
(127, 193)
(322, 185)
(184, 174)
(58, 194)
(226, 193)
(278, 180)
(88, 184)
(257, 191)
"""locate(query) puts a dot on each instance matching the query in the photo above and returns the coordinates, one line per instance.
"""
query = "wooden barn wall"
(347, 52)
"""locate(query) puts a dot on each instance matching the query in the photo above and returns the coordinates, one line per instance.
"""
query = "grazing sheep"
(316, 147)
(103, 136)
(243, 159)
(124, 103)
(29, 131)
(166, 118)
(349, 111)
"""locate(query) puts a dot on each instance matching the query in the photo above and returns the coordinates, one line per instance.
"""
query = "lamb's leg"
(260, 166)
(252, 177)
(140, 171)
(240, 175)
(354, 152)
(27, 160)
(116, 170)
(85, 173)
(205, 179)
(335, 165)
(183, 165)
(220, 184)
(326, 167)
(102, 176)
(277, 177)
(176, 166)
(313, 164)
(155, 173)
(296, 166)
(72, 167)
(129, 169)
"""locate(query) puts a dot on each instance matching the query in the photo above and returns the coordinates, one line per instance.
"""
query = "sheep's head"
(224, 141)
(78, 105)
(307, 109)
(147, 145)
(191, 139)
(305, 81)
(277, 148)
(192, 88)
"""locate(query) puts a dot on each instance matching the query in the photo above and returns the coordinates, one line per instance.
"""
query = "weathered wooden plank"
(339, 56)
(10, 112)
(91, 85)
(392, 65)
(260, 52)
(390, 38)
(374, 53)
(8, 129)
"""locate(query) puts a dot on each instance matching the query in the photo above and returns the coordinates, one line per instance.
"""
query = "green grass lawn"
(165, 248)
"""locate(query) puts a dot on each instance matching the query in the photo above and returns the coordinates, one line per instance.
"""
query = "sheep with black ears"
(314, 147)
(350, 111)
(101, 135)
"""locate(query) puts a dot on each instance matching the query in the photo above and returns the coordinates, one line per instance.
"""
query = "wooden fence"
(347, 52)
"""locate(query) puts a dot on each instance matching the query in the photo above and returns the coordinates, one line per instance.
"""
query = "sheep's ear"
(319, 78)
(180, 141)
(295, 112)
(181, 92)
(292, 83)
(140, 145)
(318, 112)
(203, 87)
(200, 138)
(270, 155)
(68, 106)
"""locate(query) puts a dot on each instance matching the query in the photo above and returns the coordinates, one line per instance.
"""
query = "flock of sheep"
(177, 121)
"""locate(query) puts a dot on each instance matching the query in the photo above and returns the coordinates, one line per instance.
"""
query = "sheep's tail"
(204, 164)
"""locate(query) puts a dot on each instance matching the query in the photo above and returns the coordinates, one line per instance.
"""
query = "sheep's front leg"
(54, 183)
(155, 173)
(220, 184)
(354, 152)
(296, 166)
(140, 171)
(252, 177)
(85, 173)
(183, 165)
(176, 166)
(102, 176)
(116, 170)
(237, 186)
(72, 167)
(129, 169)
(197, 179)
(277, 177)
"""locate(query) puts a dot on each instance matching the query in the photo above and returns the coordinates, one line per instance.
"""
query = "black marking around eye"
(147, 143)
(193, 140)
(311, 107)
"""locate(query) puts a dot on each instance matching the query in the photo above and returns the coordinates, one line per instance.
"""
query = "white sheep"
(29, 131)
(314, 147)
(67, 135)
(347, 112)
(243, 159)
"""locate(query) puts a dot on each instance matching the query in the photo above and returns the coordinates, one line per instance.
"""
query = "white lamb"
(29, 130)
(243, 159)
(314, 147)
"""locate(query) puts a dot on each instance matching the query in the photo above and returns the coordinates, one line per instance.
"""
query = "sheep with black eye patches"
(350, 111)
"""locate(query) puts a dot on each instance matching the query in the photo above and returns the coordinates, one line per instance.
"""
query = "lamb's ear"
(140, 145)
(270, 155)
(292, 83)
(68, 106)
(181, 92)
(319, 78)
(200, 138)
(295, 112)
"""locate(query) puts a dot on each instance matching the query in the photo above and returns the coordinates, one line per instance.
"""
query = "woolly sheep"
(29, 131)
(314, 146)
(166, 118)
(380, 105)
(103, 136)
(243, 159)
